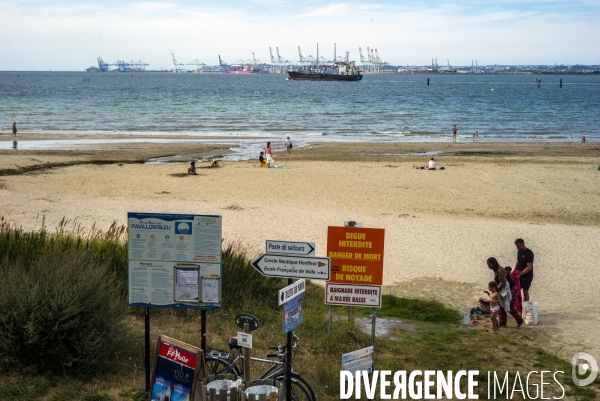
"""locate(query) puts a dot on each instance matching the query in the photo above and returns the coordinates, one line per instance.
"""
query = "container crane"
(177, 66)
(199, 65)
(284, 63)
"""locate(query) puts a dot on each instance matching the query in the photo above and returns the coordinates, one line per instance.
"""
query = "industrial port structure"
(278, 64)
(369, 63)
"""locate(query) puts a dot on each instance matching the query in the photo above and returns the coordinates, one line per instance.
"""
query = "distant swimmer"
(454, 131)
(14, 129)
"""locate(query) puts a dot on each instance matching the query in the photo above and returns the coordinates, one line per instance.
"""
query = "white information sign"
(291, 291)
(244, 340)
(290, 266)
(290, 248)
(174, 260)
(353, 295)
(358, 361)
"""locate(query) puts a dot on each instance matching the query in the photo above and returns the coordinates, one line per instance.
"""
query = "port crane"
(199, 65)
(282, 62)
(178, 67)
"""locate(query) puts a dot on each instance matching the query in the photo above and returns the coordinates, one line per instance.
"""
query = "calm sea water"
(380, 108)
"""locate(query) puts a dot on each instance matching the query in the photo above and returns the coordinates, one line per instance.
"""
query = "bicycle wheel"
(301, 390)
(220, 365)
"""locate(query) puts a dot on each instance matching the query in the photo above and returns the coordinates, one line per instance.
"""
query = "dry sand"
(441, 226)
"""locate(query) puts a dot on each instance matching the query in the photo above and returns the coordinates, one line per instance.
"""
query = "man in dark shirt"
(525, 266)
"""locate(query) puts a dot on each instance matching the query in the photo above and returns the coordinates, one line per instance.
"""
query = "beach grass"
(430, 338)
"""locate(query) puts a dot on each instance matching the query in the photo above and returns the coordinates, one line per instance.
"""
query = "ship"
(344, 71)
(242, 70)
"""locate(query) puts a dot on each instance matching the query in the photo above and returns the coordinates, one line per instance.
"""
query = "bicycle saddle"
(233, 343)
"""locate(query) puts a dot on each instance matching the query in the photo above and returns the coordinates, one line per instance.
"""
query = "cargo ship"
(243, 70)
(345, 71)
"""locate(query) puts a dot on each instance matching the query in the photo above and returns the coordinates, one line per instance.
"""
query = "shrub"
(62, 312)
(243, 284)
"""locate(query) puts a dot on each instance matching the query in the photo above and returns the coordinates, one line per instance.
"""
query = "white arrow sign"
(290, 248)
(291, 266)
(291, 291)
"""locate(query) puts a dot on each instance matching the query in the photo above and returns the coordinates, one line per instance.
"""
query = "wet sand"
(441, 226)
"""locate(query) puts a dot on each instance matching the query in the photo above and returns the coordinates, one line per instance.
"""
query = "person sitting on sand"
(431, 164)
(494, 305)
(262, 160)
(215, 163)
(192, 169)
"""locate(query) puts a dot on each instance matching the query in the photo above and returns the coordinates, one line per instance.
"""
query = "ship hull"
(304, 76)
(233, 71)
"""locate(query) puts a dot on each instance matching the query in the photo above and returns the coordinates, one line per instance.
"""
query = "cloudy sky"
(71, 34)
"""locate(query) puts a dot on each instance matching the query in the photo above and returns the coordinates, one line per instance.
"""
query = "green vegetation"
(421, 310)
(50, 276)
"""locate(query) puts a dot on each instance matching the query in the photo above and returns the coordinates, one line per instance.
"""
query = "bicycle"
(224, 362)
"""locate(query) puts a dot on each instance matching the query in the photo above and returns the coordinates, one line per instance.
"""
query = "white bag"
(530, 312)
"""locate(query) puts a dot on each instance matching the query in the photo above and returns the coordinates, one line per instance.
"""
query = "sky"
(69, 35)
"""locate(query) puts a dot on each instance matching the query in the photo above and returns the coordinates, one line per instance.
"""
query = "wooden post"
(560, 86)
(351, 315)
(330, 320)
(373, 322)
(427, 81)
(246, 353)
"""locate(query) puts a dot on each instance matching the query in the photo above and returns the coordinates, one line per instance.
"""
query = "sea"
(248, 110)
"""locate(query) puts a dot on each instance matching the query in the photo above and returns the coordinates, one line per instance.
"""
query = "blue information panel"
(174, 260)
(293, 313)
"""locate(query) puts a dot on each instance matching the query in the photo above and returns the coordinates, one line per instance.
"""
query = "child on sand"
(494, 304)
(192, 169)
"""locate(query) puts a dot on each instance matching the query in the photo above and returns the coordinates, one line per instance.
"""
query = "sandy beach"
(441, 226)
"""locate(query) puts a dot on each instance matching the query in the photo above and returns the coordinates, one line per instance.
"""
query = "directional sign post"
(291, 291)
(291, 266)
(290, 248)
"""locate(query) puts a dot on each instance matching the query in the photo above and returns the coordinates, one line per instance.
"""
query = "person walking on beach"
(14, 129)
(454, 131)
(288, 145)
(269, 154)
(525, 267)
(508, 295)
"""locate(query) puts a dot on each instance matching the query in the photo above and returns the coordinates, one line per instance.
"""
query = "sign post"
(291, 266)
(174, 262)
(356, 255)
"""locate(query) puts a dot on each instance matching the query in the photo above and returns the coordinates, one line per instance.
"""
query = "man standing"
(14, 129)
(454, 131)
(525, 266)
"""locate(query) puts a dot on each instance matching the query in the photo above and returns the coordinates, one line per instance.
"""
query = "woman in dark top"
(503, 279)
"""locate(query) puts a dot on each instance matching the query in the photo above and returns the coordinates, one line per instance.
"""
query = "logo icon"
(183, 227)
(582, 364)
(138, 236)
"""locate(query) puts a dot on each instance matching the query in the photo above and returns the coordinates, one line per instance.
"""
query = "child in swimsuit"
(494, 304)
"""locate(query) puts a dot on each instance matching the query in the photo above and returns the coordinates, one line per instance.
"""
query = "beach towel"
(517, 282)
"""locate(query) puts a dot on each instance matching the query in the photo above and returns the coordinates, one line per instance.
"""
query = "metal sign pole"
(288, 367)
(373, 321)
(147, 345)
(203, 330)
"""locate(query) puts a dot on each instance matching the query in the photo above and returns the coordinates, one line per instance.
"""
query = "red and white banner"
(177, 355)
